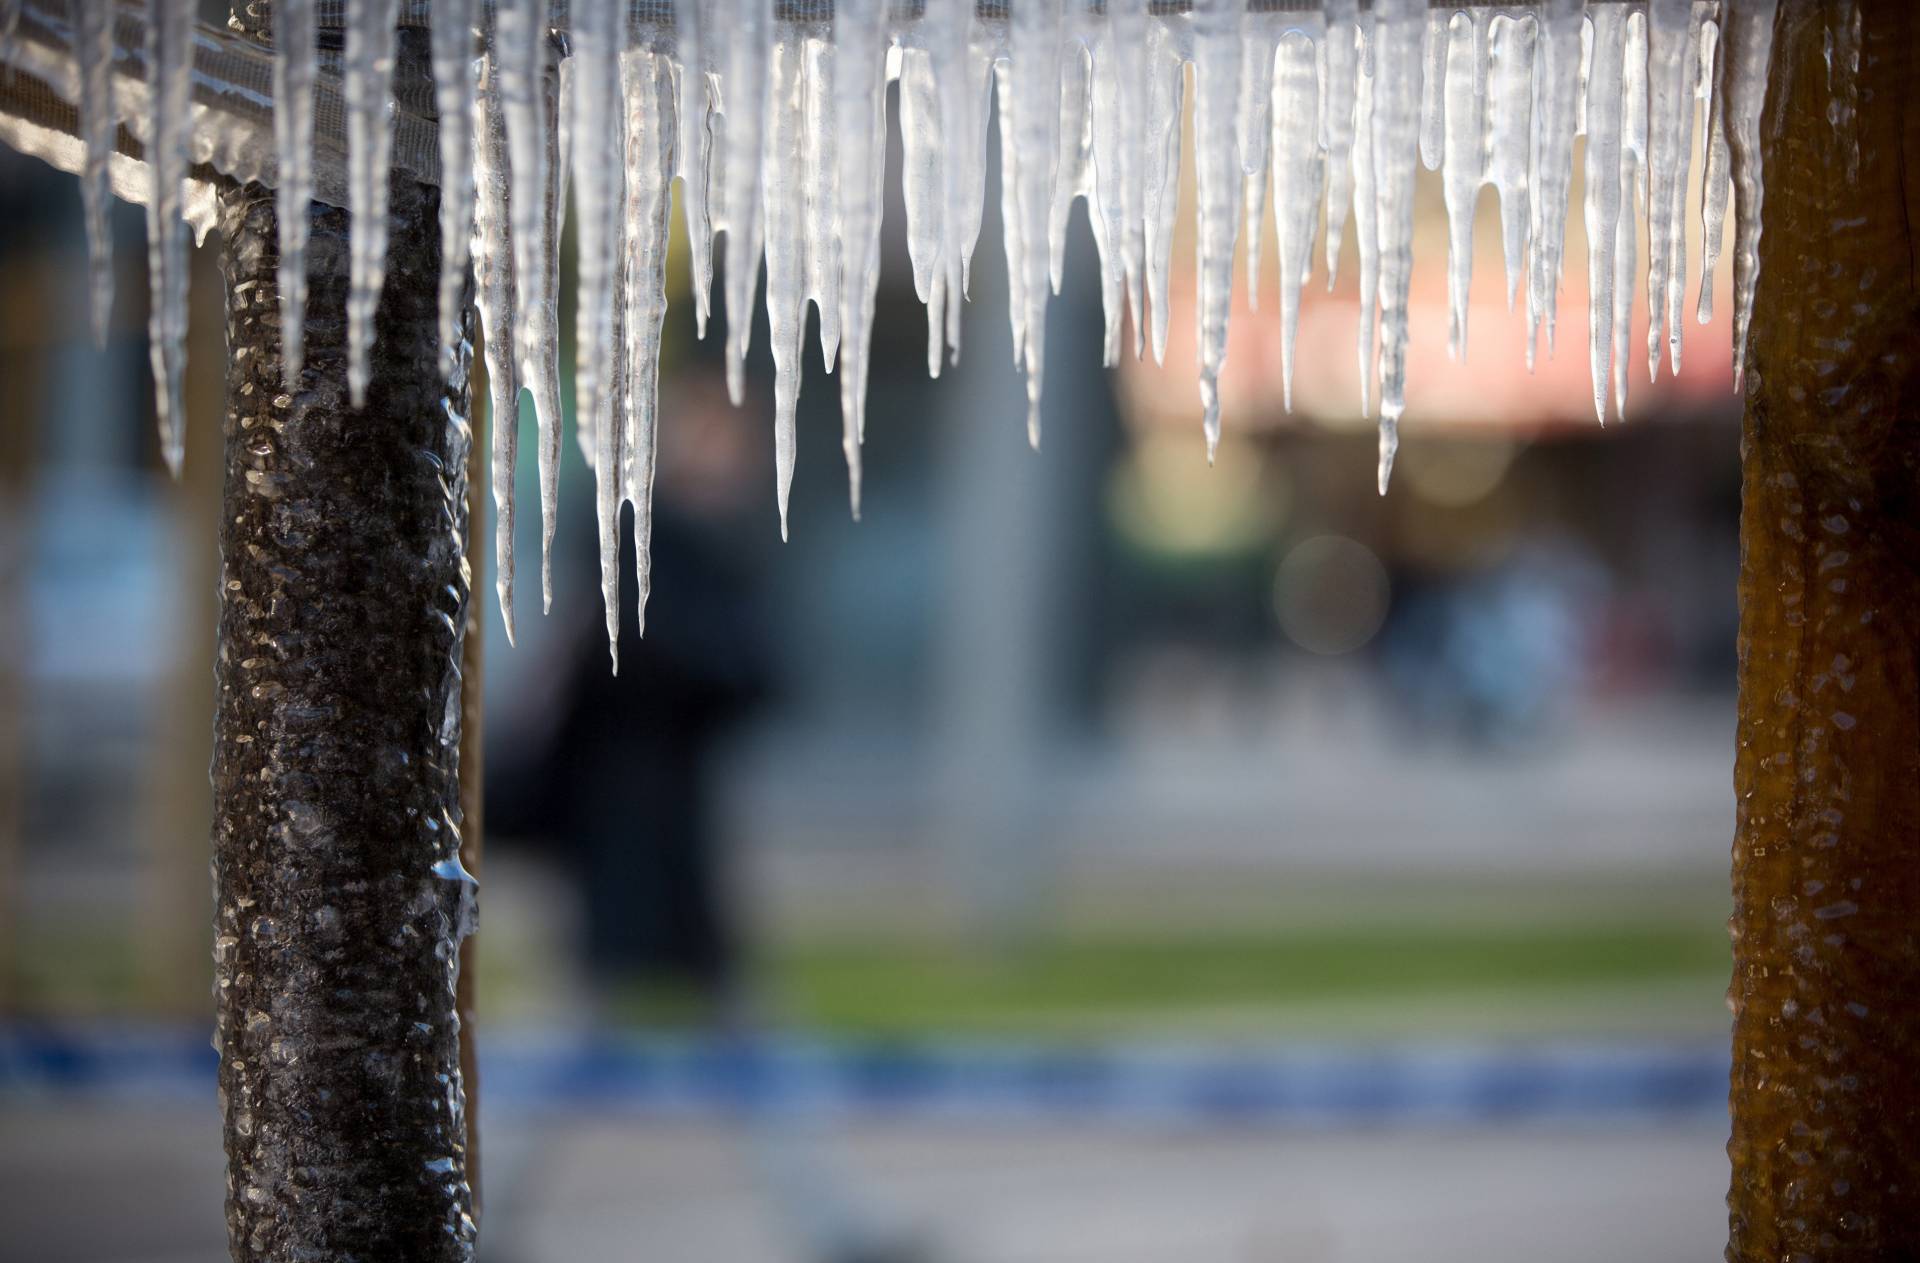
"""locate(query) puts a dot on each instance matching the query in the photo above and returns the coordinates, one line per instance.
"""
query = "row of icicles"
(776, 130)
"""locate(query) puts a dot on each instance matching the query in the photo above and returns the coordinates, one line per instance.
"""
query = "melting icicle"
(820, 192)
(1749, 47)
(1073, 162)
(650, 98)
(1605, 92)
(1296, 175)
(170, 68)
(1633, 180)
(1252, 121)
(597, 160)
(1337, 97)
(1396, 131)
(693, 153)
(453, 94)
(1035, 93)
(748, 51)
(1558, 89)
(860, 127)
(1433, 89)
(1671, 37)
(293, 71)
(922, 188)
(368, 71)
(494, 295)
(782, 197)
(963, 71)
(1166, 93)
(1716, 182)
(1509, 110)
(1462, 163)
(1131, 56)
(1366, 222)
(1216, 42)
(93, 37)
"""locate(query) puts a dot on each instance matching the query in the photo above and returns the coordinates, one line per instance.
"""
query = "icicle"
(1337, 84)
(1216, 86)
(368, 72)
(649, 87)
(1558, 94)
(1605, 93)
(597, 161)
(1717, 182)
(1073, 162)
(1509, 111)
(1749, 48)
(1106, 213)
(1037, 50)
(923, 186)
(1166, 92)
(1252, 122)
(540, 308)
(93, 39)
(743, 107)
(293, 72)
(170, 83)
(453, 92)
(1366, 220)
(1433, 81)
(1669, 140)
(493, 278)
(1462, 164)
(1296, 174)
(1396, 130)
(693, 152)
(1633, 179)
(1132, 56)
(859, 124)
(820, 191)
(782, 198)
(963, 71)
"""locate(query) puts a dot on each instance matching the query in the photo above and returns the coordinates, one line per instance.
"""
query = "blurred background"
(1089, 854)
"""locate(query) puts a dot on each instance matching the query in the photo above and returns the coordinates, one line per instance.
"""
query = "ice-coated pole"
(340, 898)
(1826, 861)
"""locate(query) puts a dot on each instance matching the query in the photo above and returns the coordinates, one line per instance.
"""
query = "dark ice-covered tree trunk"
(339, 891)
(1826, 863)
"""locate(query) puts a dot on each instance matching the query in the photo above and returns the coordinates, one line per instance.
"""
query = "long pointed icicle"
(1338, 87)
(1296, 165)
(1216, 40)
(965, 77)
(1603, 192)
(782, 197)
(1461, 169)
(1557, 97)
(859, 93)
(598, 166)
(1127, 38)
(693, 151)
(170, 67)
(1396, 131)
(1035, 92)
(1509, 110)
(453, 94)
(1749, 46)
(748, 53)
(1670, 79)
(493, 277)
(1633, 182)
(650, 98)
(1166, 95)
(93, 37)
(820, 193)
(1252, 120)
(368, 70)
(1366, 223)
(294, 55)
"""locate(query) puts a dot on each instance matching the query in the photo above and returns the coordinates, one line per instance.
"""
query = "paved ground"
(95, 1184)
